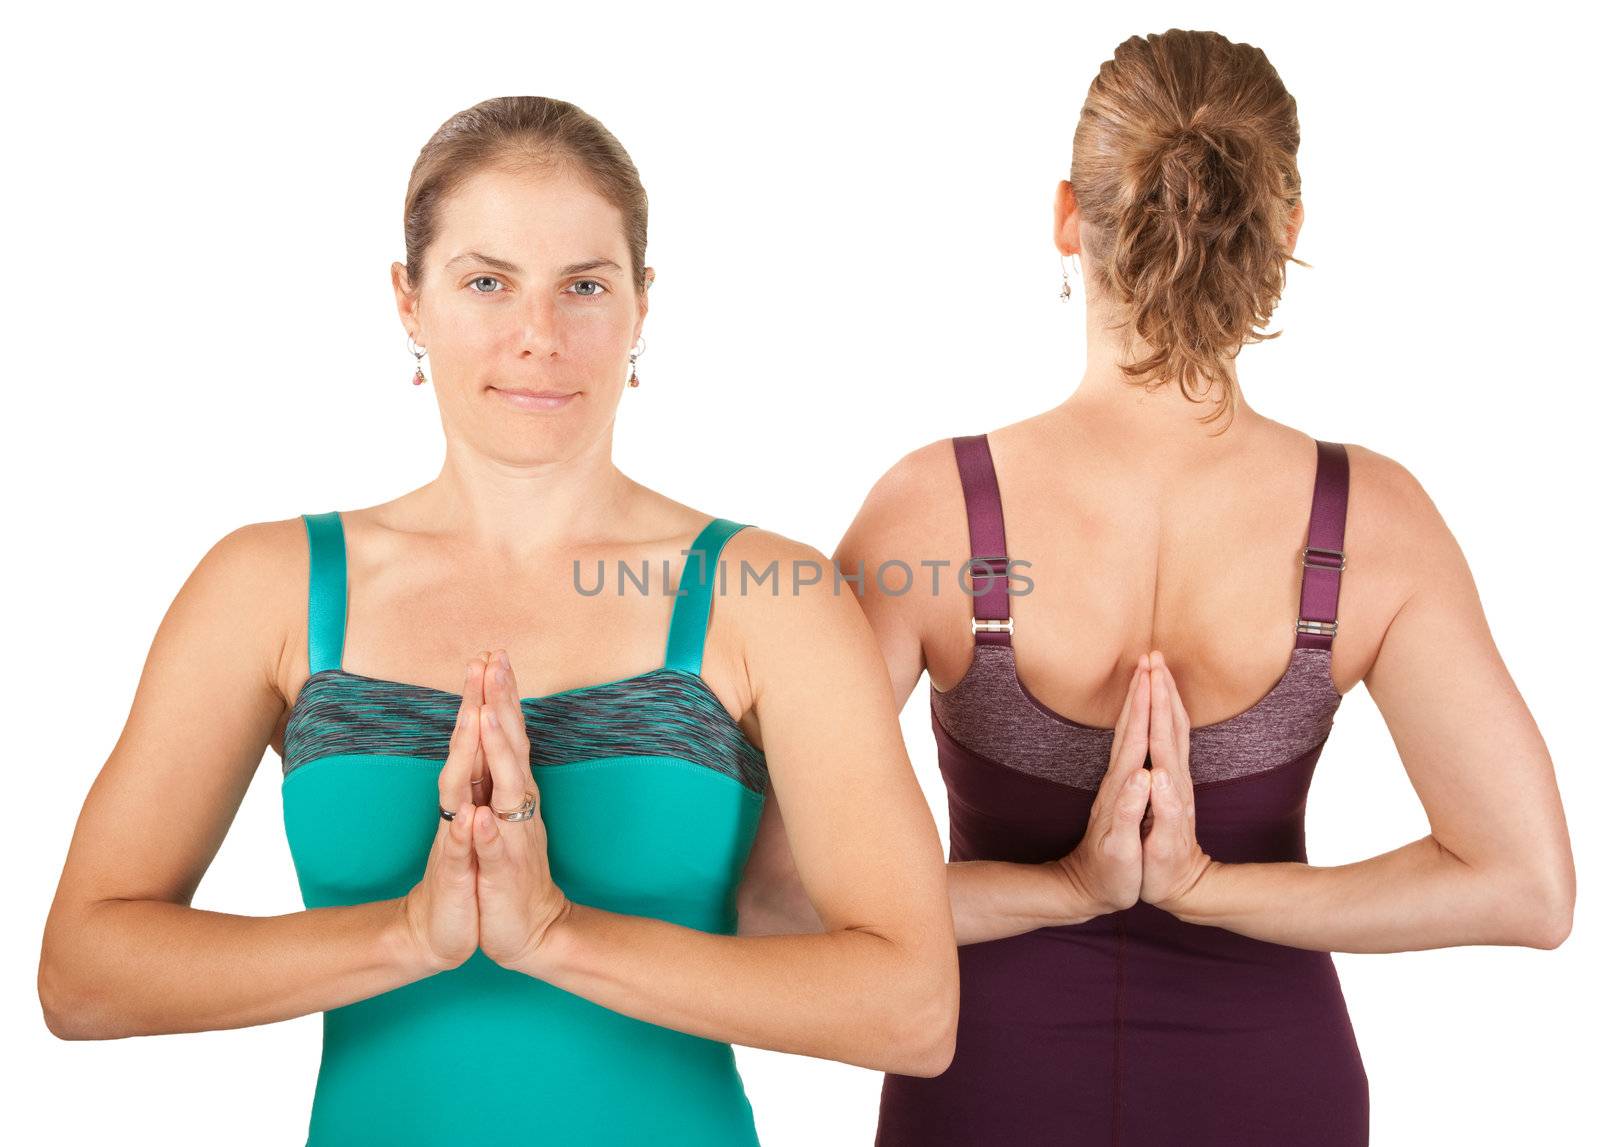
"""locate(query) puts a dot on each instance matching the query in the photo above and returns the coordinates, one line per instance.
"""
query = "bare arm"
(989, 899)
(879, 986)
(123, 953)
(1496, 867)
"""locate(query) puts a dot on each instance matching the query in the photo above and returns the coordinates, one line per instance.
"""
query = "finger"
(456, 776)
(505, 697)
(1180, 733)
(507, 755)
(482, 781)
(1163, 745)
(1136, 743)
(1180, 713)
(1127, 752)
(1128, 700)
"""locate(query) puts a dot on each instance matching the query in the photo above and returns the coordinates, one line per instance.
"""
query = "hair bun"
(1183, 165)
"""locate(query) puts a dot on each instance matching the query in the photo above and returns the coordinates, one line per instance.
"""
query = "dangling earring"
(417, 379)
(1066, 284)
(633, 362)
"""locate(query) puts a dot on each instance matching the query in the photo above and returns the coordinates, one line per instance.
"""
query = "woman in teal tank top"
(650, 796)
(551, 956)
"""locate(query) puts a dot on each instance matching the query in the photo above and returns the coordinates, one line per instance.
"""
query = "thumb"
(1126, 813)
(1133, 798)
(487, 840)
(455, 842)
(1163, 800)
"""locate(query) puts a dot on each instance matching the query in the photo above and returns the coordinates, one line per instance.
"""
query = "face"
(527, 310)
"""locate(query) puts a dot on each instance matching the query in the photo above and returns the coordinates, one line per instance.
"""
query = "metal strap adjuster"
(1305, 558)
(991, 625)
(997, 566)
(1321, 628)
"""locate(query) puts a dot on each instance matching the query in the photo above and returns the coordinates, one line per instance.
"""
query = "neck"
(1154, 414)
(525, 509)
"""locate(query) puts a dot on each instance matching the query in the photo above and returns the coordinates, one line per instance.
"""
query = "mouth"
(524, 399)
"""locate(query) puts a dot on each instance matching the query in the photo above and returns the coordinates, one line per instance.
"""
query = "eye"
(599, 288)
(480, 279)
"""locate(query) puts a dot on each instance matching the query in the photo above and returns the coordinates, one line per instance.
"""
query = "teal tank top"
(651, 794)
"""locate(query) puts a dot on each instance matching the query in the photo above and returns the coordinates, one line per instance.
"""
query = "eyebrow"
(512, 269)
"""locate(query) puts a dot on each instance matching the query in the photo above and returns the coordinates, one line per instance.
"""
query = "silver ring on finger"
(524, 811)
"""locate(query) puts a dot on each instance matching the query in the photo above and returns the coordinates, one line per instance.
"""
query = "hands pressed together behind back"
(1141, 843)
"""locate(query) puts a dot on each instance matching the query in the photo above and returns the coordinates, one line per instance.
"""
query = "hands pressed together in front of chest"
(487, 883)
(1140, 843)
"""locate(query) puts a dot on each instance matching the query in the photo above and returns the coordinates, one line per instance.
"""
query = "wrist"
(403, 950)
(555, 949)
(1188, 900)
(1073, 902)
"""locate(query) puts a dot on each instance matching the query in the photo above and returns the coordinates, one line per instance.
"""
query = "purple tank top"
(1135, 1029)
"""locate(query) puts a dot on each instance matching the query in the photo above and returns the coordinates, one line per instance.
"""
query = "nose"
(539, 329)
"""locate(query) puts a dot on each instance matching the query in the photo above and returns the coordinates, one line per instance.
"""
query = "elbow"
(63, 1017)
(71, 1007)
(1549, 912)
(1538, 906)
(924, 1036)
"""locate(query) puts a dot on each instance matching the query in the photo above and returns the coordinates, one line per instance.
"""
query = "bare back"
(1199, 558)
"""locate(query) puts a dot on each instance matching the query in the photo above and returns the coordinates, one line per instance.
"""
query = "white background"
(850, 220)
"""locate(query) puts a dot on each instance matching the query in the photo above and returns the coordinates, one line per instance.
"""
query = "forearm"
(1416, 897)
(849, 995)
(150, 967)
(993, 899)
(989, 900)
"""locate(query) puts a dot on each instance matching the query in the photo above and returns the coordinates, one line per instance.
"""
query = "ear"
(1067, 239)
(1297, 219)
(405, 301)
(644, 300)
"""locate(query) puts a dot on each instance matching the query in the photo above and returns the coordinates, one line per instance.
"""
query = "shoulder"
(250, 587)
(1394, 525)
(251, 562)
(766, 565)
(236, 608)
(1385, 480)
(914, 510)
(1391, 497)
(793, 625)
(780, 592)
(918, 483)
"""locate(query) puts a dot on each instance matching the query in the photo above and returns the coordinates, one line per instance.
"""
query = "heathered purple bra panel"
(992, 712)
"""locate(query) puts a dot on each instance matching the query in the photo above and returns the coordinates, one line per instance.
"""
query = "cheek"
(597, 337)
(464, 334)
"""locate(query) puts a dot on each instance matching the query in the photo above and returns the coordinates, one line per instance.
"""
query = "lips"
(525, 399)
(535, 393)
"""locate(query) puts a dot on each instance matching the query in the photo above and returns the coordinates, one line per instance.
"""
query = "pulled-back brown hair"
(520, 133)
(1184, 170)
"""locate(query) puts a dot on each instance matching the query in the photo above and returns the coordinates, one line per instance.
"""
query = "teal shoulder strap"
(325, 605)
(691, 612)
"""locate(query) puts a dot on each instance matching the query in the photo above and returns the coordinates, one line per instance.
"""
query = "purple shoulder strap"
(1323, 557)
(986, 529)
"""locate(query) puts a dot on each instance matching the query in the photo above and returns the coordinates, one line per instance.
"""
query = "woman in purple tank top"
(1145, 950)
